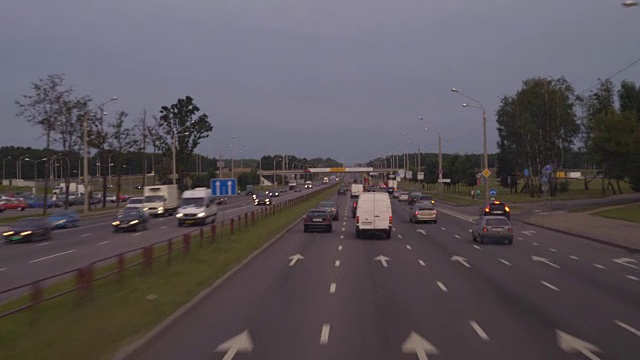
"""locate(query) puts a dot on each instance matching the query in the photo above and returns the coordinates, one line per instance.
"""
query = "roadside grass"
(627, 213)
(118, 309)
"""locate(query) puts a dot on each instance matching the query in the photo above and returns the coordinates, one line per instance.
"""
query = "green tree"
(120, 141)
(248, 178)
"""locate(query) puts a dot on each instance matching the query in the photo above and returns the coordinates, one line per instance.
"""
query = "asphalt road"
(580, 301)
(68, 249)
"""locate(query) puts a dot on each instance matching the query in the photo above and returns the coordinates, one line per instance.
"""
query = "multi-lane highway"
(21, 263)
(428, 293)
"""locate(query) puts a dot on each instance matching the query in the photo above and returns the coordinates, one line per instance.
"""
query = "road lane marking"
(89, 234)
(554, 250)
(136, 234)
(477, 247)
(519, 238)
(527, 232)
(342, 229)
(104, 242)
(44, 243)
(457, 236)
(441, 286)
(483, 335)
(344, 223)
(408, 247)
(574, 257)
(443, 229)
(599, 266)
(549, 285)
(633, 278)
(337, 263)
(52, 256)
(536, 244)
(399, 236)
(421, 262)
(421, 231)
(394, 229)
(339, 247)
(456, 215)
(3, 269)
(505, 262)
(324, 334)
(627, 327)
(341, 236)
(332, 288)
(164, 227)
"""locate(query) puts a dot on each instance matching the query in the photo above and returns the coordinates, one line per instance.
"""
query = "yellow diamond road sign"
(486, 173)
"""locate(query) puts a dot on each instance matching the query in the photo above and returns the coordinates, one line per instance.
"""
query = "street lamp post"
(441, 184)
(3, 169)
(109, 164)
(35, 167)
(484, 135)
(19, 166)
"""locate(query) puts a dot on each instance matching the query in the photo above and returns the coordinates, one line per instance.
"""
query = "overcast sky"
(329, 78)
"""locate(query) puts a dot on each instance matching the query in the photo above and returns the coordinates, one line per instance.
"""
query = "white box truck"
(161, 200)
(373, 214)
(197, 206)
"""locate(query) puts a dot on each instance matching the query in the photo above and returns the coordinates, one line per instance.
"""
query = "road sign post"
(224, 187)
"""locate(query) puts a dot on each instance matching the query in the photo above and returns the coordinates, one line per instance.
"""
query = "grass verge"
(118, 309)
(627, 213)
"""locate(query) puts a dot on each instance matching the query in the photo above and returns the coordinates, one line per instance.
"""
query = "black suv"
(496, 208)
(342, 190)
(414, 197)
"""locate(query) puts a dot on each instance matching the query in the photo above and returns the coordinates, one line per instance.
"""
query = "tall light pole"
(441, 184)
(19, 166)
(275, 176)
(485, 172)
(3, 169)
(35, 167)
(109, 164)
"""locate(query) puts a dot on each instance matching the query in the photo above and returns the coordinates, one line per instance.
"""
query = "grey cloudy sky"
(339, 78)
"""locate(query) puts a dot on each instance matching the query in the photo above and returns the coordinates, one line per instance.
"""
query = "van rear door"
(382, 209)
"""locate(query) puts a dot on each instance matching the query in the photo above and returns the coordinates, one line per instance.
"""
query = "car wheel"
(330, 229)
(480, 240)
(20, 209)
(388, 234)
(510, 242)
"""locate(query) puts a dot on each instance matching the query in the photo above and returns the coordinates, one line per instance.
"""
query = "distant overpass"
(334, 170)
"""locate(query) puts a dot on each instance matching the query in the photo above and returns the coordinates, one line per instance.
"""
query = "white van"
(356, 190)
(197, 206)
(373, 214)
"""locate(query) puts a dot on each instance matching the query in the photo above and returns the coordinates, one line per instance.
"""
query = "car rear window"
(425, 197)
(496, 207)
(497, 222)
(421, 208)
(318, 214)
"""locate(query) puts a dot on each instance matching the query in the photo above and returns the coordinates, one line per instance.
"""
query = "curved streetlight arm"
(468, 97)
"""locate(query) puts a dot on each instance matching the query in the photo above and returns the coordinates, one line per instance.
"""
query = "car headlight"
(179, 215)
(133, 222)
(145, 209)
(8, 233)
(160, 209)
(26, 233)
(115, 223)
(201, 214)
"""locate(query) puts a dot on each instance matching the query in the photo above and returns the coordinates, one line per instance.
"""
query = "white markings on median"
(530, 233)
(136, 234)
(599, 266)
(85, 235)
(332, 288)
(408, 247)
(483, 335)
(341, 237)
(549, 285)
(571, 344)
(337, 263)
(3, 269)
(441, 286)
(342, 229)
(421, 262)
(399, 236)
(505, 262)
(294, 259)
(536, 244)
(104, 242)
(239, 343)
(324, 334)
(383, 259)
(627, 327)
(460, 259)
(52, 256)
(344, 223)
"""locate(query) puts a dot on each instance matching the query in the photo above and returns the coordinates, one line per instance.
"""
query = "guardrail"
(84, 277)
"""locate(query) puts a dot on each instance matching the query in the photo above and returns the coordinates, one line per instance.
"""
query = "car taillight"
(486, 209)
(417, 212)
(484, 229)
(390, 219)
(510, 229)
(506, 208)
(357, 219)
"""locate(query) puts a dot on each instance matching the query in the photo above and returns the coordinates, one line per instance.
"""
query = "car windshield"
(192, 202)
(153, 198)
(135, 201)
(129, 212)
(497, 222)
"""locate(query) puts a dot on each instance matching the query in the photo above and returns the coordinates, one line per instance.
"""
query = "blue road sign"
(526, 172)
(493, 192)
(548, 169)
(224, 187)
(544, 179)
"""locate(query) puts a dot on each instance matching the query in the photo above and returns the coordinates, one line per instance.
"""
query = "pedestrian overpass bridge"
(334, 170)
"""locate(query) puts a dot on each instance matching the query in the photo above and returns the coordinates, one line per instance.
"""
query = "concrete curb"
(139, 344)
(600, 241)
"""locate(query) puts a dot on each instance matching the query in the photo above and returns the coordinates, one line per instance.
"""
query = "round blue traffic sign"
(493, 192)
(526, 172)
(548, 169)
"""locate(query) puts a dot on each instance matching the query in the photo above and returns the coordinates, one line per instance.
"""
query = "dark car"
(496, 208)
(131, 219)
(29, 229)
(414, 197)
(342, 190)
(331, 207)
(318, 220)
(426, 199)
(354, 207)
(262, 199)
(274, 193)
(64, 219)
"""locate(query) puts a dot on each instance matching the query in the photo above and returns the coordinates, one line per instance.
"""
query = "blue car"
(64, 219)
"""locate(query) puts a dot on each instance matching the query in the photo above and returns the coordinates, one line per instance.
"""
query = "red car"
(13, 204)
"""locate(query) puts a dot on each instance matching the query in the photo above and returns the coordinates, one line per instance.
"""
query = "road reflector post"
(214, 230)
(83, 280)
(169, 250)
(239, 222)
(147, 257)
(232, 225)
(186, 240)
(37, 294)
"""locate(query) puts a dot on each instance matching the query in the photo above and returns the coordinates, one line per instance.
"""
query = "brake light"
(484, 229)
(510, 229)
(390, 219)
(357, 219)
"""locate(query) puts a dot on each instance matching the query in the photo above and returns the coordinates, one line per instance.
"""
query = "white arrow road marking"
(421, 262)
(505, 262)
(51, 256)
(574, 257)
(546, 261)
(324, 334)
(339, 247)
(421, 231)
(457, 236)
(571, 344)
(483, 335)
(441, 286)
(239, 343)
(627, 327)
(85, 235)
(477, 247)
(394, 229)
(44, 243)
(599, 266)
(549, 285)
(416, 344)
(633, 277)
(625, 261)
(104, 242)
(408, 247)
(332, 288)
(295, 258)
(462, 260)
(383, 259)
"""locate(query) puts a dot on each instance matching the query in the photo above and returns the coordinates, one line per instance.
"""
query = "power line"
(611, 76)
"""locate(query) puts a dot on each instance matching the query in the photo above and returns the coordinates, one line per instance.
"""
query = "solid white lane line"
(483, 335)
(633, 278)
(104, 242)
(574, 257)
(399, 236)
(339, 247)
(89, 234)
(337, 263)
(332, 288)
(44, 243)
(52, 256)
(136, 234)
(457, 236)
(549, 285)
(324, 335)
(441, 286)
(477, 247)
(505, 262)
(408, 247)
(599, 266)
(627, 327)
(421, 262)
(554, 250)
(443, 229)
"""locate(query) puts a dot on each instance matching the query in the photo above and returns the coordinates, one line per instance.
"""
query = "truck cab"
(197, 206)
(160, 200)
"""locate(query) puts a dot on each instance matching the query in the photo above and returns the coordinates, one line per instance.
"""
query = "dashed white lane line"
(332, 288)
(344, 223)
(337, 263)
(399, 236)
(341, 236)
(342, 229)
(483, 335)
(477, 247)
(457, 236)
(324, 334)
(599, 266)
(51, 256)
(421, 262)
(505, 262)
(519, 238)
(441, 286)
(443, 229)
(44, 243)
(627, 327)
(136, 234)
(633, 277)
(339, 247)
(574, 257)
(89, 234)
(549, 285)
(554, 250)
(104, 242)
(536, 244)
(3, 269)
(394, 229)
(164, 227)
(408, 247)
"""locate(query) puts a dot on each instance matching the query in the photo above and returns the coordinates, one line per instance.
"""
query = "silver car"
(423, 212)
(492, 228)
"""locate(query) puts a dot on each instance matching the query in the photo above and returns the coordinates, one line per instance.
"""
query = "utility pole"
(85, 136)
(440, 162)
(144, 148)
(486, 156)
